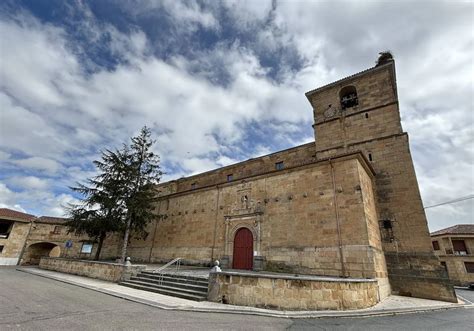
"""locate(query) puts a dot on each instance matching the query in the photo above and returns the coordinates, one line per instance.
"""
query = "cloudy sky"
(220, 82)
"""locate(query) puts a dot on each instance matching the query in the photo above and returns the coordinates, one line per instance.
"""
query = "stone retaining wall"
(113, 272)
(288, 292)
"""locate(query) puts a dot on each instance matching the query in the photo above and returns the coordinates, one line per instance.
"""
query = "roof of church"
(456, 229)
(11, 214)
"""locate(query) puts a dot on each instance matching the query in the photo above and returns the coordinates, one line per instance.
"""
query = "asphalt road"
(29, 302)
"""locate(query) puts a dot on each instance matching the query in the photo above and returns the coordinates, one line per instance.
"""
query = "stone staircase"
(181, 286)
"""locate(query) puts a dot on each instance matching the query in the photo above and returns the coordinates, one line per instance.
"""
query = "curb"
(260, 312)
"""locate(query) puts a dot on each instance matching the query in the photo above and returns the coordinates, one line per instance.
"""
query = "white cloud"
(188, 15)
(48, 166)
(56, 114)
(28, 183)
(8, 199)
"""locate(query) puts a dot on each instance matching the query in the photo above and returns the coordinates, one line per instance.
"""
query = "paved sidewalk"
(390, 306)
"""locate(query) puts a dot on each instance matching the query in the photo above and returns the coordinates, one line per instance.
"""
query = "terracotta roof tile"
(51, 220)
(456, 229)
(15, 215)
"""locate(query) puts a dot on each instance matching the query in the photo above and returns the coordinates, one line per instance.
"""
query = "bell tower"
(361, 113)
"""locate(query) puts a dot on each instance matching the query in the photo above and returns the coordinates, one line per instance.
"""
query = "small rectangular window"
(459, 247)
(443, 264)
(279, 165)
(5, 229)
(193, 186)
(370, 157)
(230, 177)
(387, 224)
(436, 245)
(87, 248)
(469, 267)
(1, 248)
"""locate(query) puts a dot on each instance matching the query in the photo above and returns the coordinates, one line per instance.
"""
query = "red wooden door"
(243, 250)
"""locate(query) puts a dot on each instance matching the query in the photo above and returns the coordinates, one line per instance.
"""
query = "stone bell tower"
(361, 113)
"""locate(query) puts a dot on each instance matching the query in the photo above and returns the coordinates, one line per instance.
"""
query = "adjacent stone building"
(454, 247)
(345, 205)
(25, 238)
(14, 228)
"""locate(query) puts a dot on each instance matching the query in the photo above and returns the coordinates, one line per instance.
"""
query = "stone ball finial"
(216, 267)
(127, 262)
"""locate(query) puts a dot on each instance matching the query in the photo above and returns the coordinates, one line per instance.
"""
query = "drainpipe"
(215, 224)
(338, 225)
(24, 245)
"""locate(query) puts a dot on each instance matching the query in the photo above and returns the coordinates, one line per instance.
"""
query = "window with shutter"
(459, 247)
(469, 267)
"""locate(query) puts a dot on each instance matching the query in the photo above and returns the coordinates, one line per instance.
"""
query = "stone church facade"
(345, 205)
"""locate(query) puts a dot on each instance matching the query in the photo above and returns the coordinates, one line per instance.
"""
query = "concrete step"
(175, 278)
(174, 275)
(171, 283)
(171, 291)
(181, 286)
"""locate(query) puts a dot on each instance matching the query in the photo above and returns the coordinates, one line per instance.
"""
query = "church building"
(345, 205)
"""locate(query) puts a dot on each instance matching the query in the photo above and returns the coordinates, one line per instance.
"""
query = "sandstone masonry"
(346, 205)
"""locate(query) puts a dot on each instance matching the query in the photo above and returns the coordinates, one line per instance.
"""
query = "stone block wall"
(112, 272)
(13, 245)
(457, 271)
(374, 128)
(291, 213)
(43, 237)
(290, 157)
(292, 293)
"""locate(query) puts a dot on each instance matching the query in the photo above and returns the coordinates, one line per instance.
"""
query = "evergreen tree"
(102, 209)
(121, 197)
(143, 173)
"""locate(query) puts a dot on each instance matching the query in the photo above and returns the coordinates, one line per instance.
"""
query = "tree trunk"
(125, 240)
(99, 247)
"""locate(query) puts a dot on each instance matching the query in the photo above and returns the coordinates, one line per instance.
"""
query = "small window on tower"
(230, 177)
(348, 97)
(436, 245)
(279, 165)
(193, 186)
(387, 224)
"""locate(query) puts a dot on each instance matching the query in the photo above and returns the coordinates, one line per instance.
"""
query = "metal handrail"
(160, 270)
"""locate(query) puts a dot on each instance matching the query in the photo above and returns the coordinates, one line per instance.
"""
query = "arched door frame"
(234, 225)
(234, 253)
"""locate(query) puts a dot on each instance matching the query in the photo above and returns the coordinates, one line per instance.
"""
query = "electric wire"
(451, 201)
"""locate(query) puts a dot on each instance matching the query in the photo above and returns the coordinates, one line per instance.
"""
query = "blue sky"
(220, 82)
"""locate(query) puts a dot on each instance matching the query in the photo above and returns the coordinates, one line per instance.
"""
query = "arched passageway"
(36, 251)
